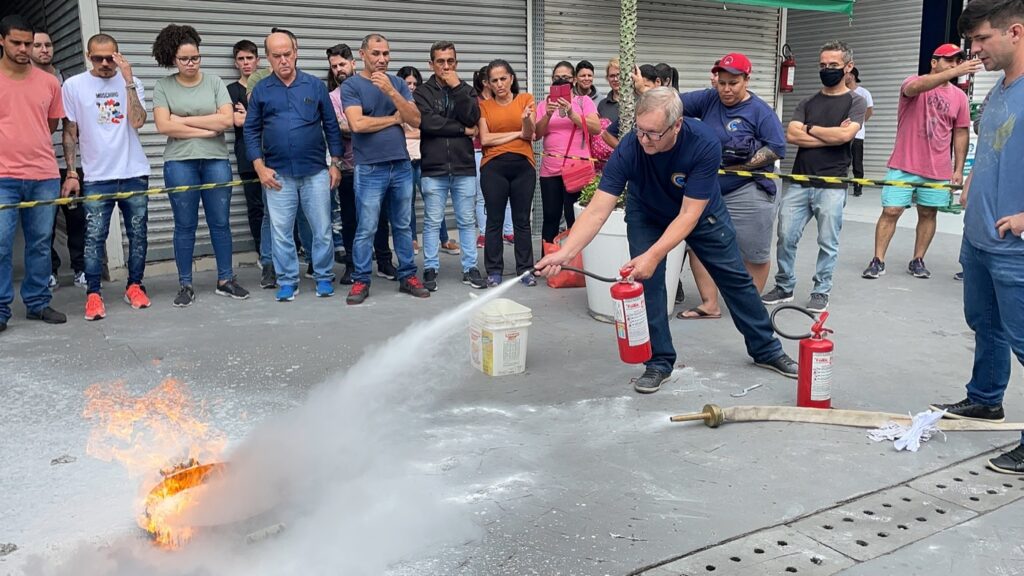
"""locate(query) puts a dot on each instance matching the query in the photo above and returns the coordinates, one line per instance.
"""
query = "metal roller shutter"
(482, 31)
(885, 37)
(576, 30)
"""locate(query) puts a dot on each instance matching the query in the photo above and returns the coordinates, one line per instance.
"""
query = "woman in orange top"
(507, 170)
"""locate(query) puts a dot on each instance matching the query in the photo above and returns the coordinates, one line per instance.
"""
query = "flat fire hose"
(714, 416)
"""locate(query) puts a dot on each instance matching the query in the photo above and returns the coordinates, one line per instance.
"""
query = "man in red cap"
(932, 112)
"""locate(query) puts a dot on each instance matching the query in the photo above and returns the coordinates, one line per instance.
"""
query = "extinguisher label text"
(821, 376)
(631, 317)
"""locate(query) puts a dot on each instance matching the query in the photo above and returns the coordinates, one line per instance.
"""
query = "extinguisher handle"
(805, 311)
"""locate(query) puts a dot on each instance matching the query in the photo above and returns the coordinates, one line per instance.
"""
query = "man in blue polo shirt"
(376, 106)
(992, 251)
(671, 166)
(289, 115)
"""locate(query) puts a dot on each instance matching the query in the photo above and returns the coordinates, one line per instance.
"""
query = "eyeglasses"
(613, 76)
(189, 59)
(652, 136)
(101, 59)
(445, 62)
(562, 77)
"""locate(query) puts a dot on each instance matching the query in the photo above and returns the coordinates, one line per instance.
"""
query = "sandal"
(697, 314)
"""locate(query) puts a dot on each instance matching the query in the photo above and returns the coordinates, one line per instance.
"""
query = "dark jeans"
(994, 309)
(135, 214)
(556, 203)
(509, 178)
(713, 241)
(350, 220)
(254, 208)
(857, 148)
(74, 222)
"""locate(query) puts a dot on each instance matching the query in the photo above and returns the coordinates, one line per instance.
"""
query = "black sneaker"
(387, 270)
(358, 293)
(1011, 462)
(967, 410)
(186, 296)
(232, 290)
(268, 278)
(650, 382)
(875, 269)
(346, 276)
(777, 296)
(818, 302)
(917, 270)
(430, 279)
(413, 286)
(783, 365)
(474, 279)
(309, 270)
(3, 326)
(48, 315)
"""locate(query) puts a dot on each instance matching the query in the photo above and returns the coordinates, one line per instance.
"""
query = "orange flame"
(156, 433)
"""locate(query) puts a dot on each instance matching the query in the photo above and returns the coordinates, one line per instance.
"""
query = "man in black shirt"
(247, 61)
(822, 127)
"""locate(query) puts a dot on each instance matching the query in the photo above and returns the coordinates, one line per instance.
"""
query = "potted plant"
(610, 250)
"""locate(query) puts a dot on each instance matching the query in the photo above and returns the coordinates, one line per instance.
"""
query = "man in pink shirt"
(933, 113)
(28, 170)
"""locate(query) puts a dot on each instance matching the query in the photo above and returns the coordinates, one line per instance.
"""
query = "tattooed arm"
(69, 139)
(763, 157)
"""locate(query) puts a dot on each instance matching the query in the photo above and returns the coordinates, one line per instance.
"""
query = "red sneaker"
(94, 308)
(509, 238)
(136, 297)
(358, 293)
(480, 241)
(412, 285)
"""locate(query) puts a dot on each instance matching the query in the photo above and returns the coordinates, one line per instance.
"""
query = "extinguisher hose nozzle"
(586, 273)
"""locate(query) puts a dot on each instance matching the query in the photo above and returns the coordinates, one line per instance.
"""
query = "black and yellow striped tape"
(120, 195)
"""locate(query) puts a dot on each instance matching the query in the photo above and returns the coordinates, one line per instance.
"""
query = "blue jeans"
(135, 213)
(37, 225)
(185, 206)
(994, 309)
(799, 204)
(481, 211)
(417, 186)
(313, 193)
(713, 241)
(435, 196)
(375, 183)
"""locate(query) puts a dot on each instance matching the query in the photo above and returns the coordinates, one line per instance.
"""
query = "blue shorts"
(895, 196)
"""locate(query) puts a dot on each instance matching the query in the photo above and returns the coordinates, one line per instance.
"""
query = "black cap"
(856, 74)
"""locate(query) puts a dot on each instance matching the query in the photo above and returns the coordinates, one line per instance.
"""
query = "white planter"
(606, 254)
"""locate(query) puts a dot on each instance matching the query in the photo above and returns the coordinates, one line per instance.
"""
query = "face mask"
(831, 76)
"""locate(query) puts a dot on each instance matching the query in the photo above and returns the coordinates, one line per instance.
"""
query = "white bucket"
(497, 337)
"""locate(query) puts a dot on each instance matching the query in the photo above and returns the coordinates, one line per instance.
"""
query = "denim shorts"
(896, 196)
(753, 214)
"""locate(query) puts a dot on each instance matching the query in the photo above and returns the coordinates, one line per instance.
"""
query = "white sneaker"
(80, 280)
(53, 284)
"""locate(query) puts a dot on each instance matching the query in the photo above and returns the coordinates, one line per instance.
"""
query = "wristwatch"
(337, 164)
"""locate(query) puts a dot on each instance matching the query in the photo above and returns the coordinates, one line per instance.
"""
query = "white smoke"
(344, 474)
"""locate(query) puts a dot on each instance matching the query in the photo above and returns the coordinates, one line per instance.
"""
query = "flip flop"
(700, 315)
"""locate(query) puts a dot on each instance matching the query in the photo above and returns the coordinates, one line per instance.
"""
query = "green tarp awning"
(840, 6)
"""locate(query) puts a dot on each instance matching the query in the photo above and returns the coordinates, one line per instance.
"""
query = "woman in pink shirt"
(557, 123)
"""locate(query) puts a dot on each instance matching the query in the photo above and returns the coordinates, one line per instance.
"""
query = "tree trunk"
(627, 62)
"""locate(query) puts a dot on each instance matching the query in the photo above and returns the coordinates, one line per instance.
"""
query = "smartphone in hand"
(560, 91)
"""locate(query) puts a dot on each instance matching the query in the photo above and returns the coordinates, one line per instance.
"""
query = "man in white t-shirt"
(105, 110)
(852, 81)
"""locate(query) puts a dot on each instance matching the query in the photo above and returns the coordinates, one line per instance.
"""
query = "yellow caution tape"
(120, 195)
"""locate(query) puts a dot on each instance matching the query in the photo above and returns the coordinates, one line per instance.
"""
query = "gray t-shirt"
(200, 100)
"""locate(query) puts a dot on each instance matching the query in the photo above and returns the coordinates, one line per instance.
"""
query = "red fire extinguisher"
(814, 380)
(787, 70)
(631, 319)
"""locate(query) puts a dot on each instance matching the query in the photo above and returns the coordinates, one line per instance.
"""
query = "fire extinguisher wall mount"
(787, 70)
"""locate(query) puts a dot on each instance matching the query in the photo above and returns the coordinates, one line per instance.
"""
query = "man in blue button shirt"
(992, 251)
(290, 113)
(671, 166)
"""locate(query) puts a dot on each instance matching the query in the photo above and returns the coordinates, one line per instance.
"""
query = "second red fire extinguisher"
(814, 379)
(787, 70)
